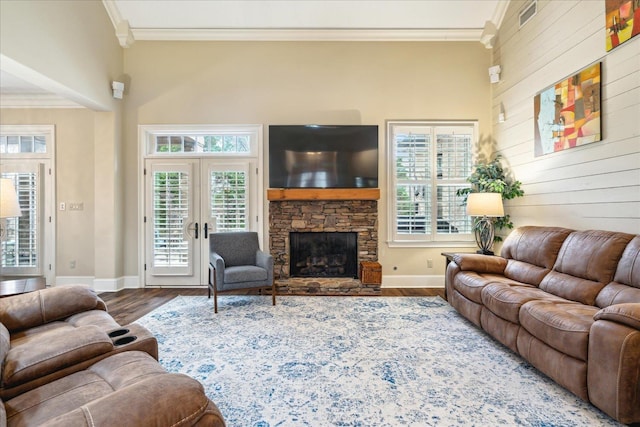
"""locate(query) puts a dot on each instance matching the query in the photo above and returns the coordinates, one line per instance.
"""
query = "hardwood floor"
(128, 305)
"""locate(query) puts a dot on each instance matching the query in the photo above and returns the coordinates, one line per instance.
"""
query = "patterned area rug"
(355, 361)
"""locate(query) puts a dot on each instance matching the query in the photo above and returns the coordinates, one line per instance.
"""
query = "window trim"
(148, 133)
(393, 239)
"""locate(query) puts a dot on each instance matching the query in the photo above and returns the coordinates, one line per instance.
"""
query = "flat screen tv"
(313, 156)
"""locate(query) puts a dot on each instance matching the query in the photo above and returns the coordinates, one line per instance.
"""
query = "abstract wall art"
(567, 114)
(622, 21)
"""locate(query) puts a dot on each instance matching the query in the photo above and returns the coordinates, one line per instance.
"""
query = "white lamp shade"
(485, 204)
(9, 206)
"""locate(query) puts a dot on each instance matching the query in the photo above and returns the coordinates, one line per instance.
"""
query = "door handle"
(206, 230)
(196, 236)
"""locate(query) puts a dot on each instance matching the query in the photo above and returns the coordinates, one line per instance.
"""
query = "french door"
(186, 199)
(23, 237)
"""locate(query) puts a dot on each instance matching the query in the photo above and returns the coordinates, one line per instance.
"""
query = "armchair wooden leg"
(215, 299)
(210, 281)
(273, 293)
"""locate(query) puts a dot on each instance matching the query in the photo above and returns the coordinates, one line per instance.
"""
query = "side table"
(20, 285)
(448, 258)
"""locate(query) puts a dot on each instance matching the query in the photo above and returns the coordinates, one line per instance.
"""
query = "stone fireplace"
(311, 215)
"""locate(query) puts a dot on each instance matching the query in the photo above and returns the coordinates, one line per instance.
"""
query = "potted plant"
(491, 177)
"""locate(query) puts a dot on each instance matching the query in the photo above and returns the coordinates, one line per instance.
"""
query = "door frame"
(145, 137)
(48, 160)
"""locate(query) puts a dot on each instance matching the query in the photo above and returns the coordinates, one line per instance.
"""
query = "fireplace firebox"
(323, 254)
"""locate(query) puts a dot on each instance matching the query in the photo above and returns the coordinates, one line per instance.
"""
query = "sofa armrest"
(613, 375)
(626, 314)
(166, 399)
(480, 263)
(25, 311)
(264, 260)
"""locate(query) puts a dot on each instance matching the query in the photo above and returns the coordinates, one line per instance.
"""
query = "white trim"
(36, 100)
(108, 285)
(413, 282)
(500, 12)
(73, 280)
(31, 76)
(315, 34)
(48, 159)
(132, 282)
(113, 12)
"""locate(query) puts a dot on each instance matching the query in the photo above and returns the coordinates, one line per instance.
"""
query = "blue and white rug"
(355, 361)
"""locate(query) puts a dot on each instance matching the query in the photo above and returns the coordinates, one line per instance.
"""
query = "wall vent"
(528, 12)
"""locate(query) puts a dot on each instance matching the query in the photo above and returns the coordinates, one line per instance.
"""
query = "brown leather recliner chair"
(54, 332)
(65, 361)
(126, 389)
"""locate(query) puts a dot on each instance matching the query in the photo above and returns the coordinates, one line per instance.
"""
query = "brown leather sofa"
(65, 361)
(568, 302)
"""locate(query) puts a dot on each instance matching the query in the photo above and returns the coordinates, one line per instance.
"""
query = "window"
(429, 163)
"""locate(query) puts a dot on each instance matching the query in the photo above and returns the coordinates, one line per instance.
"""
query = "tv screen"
(313, 156)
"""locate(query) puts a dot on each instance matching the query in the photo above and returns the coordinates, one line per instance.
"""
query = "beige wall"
(297, 83)
(68, 46)
(75, 174)
(593, 186)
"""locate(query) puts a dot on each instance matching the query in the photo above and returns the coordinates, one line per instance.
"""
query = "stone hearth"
(285, 216)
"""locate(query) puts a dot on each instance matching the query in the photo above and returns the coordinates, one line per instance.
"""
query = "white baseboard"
(412, 282)
(100, 285)
(73, 280)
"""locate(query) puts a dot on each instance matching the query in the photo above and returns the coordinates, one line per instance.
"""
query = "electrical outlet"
(430, 263)
(72, 263)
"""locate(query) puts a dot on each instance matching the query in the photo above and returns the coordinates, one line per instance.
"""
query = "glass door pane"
(22, 236)
(172, 226)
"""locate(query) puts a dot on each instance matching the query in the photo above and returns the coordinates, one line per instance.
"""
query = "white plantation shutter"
(229, 197)
(171, 192)
(430, 162)
(22, 241)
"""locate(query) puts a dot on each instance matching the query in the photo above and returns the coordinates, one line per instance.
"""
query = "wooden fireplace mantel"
(323, 194)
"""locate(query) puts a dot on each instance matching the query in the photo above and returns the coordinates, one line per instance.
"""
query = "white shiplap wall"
(596, 186)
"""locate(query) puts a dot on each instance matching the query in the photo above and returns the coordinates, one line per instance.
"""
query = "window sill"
(430, 244)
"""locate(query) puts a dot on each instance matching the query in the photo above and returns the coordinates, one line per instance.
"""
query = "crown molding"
(500, 12)
(113, 12)
(35, 100)
(299, 34)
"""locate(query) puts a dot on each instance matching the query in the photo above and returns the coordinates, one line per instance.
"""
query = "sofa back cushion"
(625, 287)
(586, 262)
(531, 252)
(236, 248)
(25, 311)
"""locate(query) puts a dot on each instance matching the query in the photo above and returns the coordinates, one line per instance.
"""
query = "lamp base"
(483, 252)
(484, 233)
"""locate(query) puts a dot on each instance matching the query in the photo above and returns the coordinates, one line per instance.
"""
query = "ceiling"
(380, 20)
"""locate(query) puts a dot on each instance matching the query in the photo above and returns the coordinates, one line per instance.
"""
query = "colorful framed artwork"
(622, 21)
(567, 114)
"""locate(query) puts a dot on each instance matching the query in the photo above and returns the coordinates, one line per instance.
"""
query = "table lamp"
(485, 206)
(9, 206)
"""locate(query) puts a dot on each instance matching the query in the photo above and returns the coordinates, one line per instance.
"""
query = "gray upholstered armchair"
(236, 262)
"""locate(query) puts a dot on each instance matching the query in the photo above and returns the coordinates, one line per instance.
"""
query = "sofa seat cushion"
(505, 300)
(470, 284)
(245, 273)
(129, 388)
(35, 356)
(562, 326)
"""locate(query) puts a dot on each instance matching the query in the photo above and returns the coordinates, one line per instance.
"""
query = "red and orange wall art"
(622, 21)
(567, 114)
